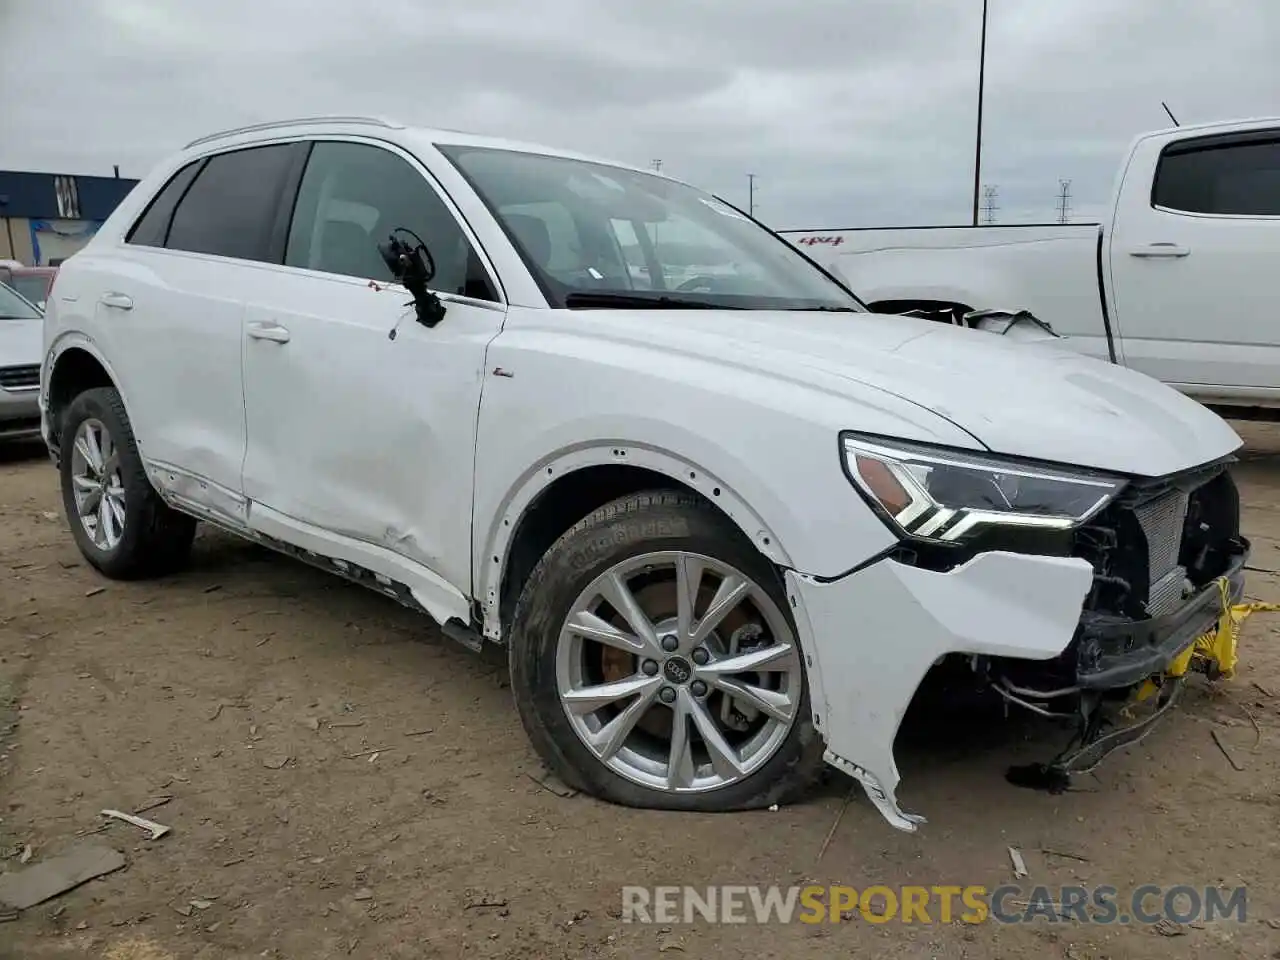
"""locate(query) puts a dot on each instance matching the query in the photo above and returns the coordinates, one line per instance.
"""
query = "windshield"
(596, 235)
(14, 307)
(33, 286)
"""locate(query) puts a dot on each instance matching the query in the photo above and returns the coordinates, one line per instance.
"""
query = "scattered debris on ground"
(155, 830)
(21, 889)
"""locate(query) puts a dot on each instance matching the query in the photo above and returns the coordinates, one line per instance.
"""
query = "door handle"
(1160, 250)
(268, 331)
(120, 301)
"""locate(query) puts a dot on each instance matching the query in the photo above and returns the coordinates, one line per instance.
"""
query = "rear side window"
(231, 207)
(153, 226)
(1220, 177)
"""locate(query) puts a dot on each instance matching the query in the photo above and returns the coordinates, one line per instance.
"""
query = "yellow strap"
(1218, 646)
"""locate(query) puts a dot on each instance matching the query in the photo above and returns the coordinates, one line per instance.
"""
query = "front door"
(361, 421)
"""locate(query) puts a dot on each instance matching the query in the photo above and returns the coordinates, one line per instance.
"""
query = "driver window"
(624, 231)
(687, 249)
(547, 233)
(353, 196)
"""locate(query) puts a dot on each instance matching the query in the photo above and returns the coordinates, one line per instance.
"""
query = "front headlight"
(946, 495)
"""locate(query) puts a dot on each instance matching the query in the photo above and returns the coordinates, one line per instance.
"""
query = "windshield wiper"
(827, 309)
(580, 298)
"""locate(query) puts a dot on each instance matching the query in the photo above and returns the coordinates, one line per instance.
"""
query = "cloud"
(850, 112)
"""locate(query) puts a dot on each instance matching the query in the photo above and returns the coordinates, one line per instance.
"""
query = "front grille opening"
(1114, 543)
(20, 377)
(1158, 543)
(1210, 537)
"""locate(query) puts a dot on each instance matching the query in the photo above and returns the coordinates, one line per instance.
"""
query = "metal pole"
(751, 194)
(977, 147)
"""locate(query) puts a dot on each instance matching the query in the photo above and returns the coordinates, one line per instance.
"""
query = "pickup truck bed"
(1177, 282)
(951, 270)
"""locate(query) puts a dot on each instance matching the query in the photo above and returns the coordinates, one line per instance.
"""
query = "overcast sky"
(851, 112)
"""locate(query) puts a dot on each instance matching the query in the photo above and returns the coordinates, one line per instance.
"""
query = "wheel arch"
(557, 493)
(74, 364)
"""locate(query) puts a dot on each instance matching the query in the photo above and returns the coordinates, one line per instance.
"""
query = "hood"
(21, 342)
(1042, 401)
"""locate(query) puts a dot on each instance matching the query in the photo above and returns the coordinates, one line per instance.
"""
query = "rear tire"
(751, 749)
(119, 522)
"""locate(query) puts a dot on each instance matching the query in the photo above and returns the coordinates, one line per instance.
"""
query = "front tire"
(655, 663)
(119, 522)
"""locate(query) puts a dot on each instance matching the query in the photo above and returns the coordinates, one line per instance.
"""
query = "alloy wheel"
(97, 485)
(679, 672)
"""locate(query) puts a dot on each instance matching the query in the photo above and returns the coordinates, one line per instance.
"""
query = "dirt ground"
(254, 692)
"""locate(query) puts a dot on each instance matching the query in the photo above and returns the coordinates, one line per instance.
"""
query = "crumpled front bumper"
(871, 636)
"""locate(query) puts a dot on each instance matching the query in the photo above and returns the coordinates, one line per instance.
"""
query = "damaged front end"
(1072, 594)
(1168, 562)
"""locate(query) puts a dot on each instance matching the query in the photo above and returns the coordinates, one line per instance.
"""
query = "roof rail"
(272, 124)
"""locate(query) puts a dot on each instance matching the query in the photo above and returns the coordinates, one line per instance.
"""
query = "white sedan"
(20, 354)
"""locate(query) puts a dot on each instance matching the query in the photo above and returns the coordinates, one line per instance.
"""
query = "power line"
(989, 205)
(1064, 201)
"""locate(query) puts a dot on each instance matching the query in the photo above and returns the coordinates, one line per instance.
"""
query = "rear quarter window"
(152, 227)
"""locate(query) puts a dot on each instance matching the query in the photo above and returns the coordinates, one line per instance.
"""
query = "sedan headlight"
(946, 495)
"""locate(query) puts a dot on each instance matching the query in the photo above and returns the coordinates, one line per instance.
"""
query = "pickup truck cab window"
(699, 250)
(1220, 176)
(230, 207)
(352, 197)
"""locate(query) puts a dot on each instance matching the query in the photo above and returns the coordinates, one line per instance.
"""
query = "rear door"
(171, 308)
(1193, 262)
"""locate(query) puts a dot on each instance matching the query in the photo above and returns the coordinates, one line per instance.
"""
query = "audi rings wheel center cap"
(677, 670)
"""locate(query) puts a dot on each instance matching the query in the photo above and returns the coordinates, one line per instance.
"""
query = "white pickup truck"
(1172, 283)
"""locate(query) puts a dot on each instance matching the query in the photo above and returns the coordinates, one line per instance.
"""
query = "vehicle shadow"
(22, 451)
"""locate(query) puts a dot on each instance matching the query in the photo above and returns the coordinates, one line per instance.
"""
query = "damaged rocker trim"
(214, 504)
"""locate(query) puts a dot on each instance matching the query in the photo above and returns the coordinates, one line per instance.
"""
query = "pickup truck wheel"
(654, 663)
(118, 520)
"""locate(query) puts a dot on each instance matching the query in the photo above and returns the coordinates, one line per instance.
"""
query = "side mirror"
(412, 266)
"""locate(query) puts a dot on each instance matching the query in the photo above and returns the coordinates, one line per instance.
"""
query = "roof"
(56, 196)
(385, 128)
(1217, 126)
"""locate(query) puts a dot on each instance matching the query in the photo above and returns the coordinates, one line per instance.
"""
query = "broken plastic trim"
(1091, 746)
(1006, 322)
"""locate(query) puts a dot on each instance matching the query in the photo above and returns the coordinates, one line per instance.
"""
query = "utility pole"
(977, 146)
(751, 194)
(1064, 201)
(657, 165)
(989, 206)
